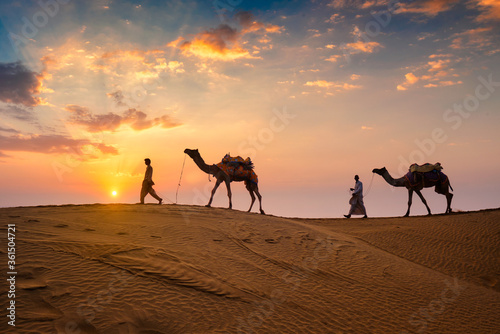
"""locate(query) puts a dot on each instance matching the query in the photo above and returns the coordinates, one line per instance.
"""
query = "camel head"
(379, 171)
(192, 153)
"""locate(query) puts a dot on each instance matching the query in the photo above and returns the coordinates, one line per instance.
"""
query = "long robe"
(147, 185)
(356, 201)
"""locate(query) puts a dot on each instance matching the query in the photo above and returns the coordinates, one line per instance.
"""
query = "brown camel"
(440, 188)
(221, 176)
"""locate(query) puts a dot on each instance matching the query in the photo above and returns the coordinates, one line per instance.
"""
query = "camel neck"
(198, 160)
(392, 181)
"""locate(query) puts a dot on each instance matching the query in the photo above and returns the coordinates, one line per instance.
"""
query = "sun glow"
(114, 193)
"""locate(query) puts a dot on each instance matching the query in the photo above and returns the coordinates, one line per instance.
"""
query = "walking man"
(147, 183)
(356, 201)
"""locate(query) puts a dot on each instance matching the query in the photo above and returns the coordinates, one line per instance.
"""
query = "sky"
(313, 92)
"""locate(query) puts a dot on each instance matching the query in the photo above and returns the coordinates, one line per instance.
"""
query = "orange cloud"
(360, 45)
(359, 4)
(220, 43)
(477, 38)
(411, 79)
(436, 73)
(224, 42)
(426, 7)
(53, 144)
(366, 47)
(490, 10)
(136, 119)
(334, 85)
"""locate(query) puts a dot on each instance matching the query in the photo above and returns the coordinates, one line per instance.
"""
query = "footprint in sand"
(61, 225)
(271, 241)
(155, 236)
(32, 221)
(89, 230)
(122, 233)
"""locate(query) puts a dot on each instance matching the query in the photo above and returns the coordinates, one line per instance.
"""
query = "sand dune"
(187, 269)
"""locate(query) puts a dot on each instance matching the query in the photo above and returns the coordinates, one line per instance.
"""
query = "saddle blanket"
(237, 161)
(431, 177)
(237, 168)
(425, 168)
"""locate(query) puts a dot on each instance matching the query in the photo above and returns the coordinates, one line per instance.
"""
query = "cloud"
(54, 144)
(437, 72)
(249, 24)
(18, 85)
(220, 43)
(335, 18)
(411, 79)
(18, 113)
(118, 98)
(8, 130)
(333, 58)
(134, 118)
(225, 42)
(490, 10)
(336, 86)
(357, 4)
(426, 7)
(360, 45)
(364, 47)
(476, 38)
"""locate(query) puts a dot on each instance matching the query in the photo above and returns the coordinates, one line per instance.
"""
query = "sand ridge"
(122, 268)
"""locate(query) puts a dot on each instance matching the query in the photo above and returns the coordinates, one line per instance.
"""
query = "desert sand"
(123, 268)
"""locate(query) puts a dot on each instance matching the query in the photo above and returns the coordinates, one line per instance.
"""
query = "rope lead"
(180, 178)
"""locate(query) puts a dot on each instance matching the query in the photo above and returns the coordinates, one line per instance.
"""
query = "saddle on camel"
(426, 173)
(238, 168)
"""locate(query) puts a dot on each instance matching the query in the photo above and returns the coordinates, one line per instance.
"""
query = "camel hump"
(425, 168)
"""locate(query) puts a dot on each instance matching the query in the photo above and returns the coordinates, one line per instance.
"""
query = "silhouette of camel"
(221, 176)
(440, 188)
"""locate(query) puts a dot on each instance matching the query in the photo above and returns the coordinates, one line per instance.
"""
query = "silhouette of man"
(356, 201)
(147, 183)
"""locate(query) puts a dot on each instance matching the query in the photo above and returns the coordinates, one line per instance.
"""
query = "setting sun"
(114, 193)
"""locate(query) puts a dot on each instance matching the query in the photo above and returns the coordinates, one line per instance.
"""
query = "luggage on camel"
(238, 168)
(427, 173)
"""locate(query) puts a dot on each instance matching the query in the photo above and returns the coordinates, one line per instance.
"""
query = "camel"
(221, 176)
(440, 188)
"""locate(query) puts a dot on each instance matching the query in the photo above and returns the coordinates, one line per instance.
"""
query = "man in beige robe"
(147, 183)
(356, 201)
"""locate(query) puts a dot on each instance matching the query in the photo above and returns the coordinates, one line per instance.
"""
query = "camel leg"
(253, 199)
(423, 201)
(260, 200)
(410, 195)
(255, 189)
(449, 196)
(444, 190)
(229, 194)
(217, 184)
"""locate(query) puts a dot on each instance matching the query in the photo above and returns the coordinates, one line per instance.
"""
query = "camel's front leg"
(217, 184)
(449, 196)
(253, 199)
(229, 194)
(410, 195)
(423, 201)
(260, 200)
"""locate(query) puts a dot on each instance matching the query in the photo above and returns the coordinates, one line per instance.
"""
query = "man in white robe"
(147, 183)
(356, 201)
